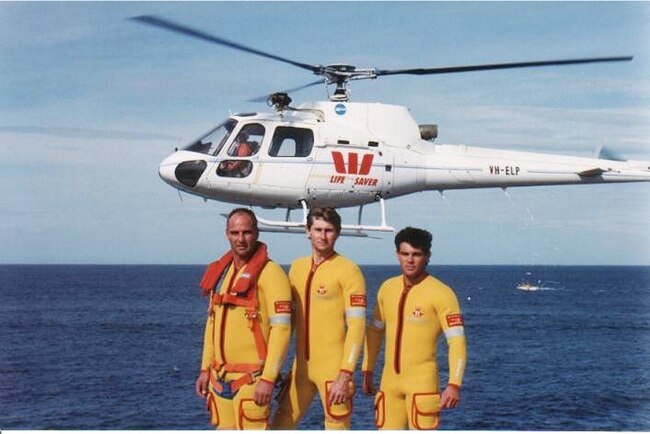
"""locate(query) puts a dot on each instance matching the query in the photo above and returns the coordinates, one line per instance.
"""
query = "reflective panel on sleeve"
(284, 319)
(355, 312)
(454, 332)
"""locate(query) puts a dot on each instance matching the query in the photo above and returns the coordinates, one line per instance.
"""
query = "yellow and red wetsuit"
(231, 352)
(330, 317)
(412, 320)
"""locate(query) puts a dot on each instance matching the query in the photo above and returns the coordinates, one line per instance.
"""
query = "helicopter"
(341, 153)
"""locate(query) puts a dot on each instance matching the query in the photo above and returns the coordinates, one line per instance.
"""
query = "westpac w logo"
(353, 166)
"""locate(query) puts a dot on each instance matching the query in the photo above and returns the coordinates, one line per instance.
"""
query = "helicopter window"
(291, 142)
(212, 142)
(248, 141)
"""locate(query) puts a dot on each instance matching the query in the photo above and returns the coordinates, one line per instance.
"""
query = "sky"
(91, 102)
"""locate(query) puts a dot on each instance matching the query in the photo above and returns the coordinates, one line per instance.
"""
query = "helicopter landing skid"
(347, 230)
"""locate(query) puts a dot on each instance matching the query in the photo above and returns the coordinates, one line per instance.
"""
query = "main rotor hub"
(340, 75)
(341, 68)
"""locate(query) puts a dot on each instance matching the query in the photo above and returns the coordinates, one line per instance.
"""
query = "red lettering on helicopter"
(370, 182)
(353, 167)
(337, 179)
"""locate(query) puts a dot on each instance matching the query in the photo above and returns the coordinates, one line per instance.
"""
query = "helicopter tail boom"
(472, 167)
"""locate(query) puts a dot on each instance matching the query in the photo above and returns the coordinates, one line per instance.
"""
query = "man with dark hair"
(413, 310)
(418, 238)
(329, 293)
(246, 211)
(247, 331)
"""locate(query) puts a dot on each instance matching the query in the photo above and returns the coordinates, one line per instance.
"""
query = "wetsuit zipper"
(312, 271)
(307, 307)
(400, 329)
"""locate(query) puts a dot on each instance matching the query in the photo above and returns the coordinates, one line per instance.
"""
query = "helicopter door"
(286, 169)
(237, 162)
(361, 171)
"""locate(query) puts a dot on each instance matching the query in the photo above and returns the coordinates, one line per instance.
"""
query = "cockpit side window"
(248, 141)
(213, 141)
(246, 144)
(292, 142)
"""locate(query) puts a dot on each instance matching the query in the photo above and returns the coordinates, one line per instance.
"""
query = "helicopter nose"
(166, 173)
(187, 172)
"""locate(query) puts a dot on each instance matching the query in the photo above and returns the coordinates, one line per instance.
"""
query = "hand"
(367, 383)
(201, 384)
(450, 397)
(263, 391)
(340, 389)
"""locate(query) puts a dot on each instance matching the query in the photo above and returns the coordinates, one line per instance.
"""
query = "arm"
(277, 294)
(354, 295)
(451, 320)
(201, 384)
(374, 337)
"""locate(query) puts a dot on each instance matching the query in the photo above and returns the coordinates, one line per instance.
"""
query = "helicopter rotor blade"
(341, 75)
(188, 31)
(294, 89)
(486, 67)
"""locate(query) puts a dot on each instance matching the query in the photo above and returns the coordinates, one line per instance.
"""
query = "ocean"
(118, 347)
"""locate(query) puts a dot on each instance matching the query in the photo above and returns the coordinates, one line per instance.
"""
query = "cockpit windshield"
(213, 141)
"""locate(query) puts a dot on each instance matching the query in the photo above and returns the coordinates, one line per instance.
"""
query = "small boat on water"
(546, 285)
(527, 286)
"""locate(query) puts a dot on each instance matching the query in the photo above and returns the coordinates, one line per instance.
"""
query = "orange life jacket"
(242, 293)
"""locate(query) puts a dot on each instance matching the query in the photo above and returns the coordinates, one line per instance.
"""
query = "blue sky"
(91, 102)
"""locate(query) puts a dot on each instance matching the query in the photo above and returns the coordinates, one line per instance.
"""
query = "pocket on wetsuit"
(211, 406)
(425, 410)
(380, 409)
(339, 411)
(253, 416)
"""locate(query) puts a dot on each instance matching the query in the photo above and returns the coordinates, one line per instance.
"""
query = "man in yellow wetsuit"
(329, 307)
(412, 311)
(247, 331)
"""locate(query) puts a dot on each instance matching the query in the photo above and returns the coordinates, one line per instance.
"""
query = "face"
(323, 236)
(241, 235)
(413, 261)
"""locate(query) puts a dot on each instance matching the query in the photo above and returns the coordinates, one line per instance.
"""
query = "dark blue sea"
(118, 347)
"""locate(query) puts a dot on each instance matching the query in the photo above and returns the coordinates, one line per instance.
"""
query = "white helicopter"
(346, 154)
